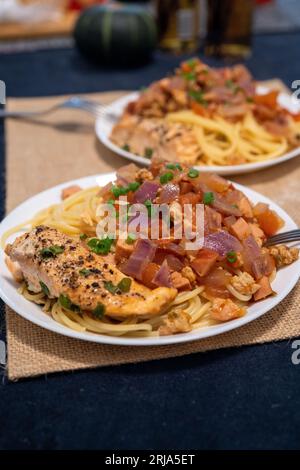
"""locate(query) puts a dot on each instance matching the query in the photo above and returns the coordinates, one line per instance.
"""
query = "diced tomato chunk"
(268, 220)
(204, 261)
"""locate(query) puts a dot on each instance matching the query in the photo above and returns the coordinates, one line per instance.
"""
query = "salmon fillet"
(81, 275)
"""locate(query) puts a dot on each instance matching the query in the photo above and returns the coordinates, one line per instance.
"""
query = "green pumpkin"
(116, 33)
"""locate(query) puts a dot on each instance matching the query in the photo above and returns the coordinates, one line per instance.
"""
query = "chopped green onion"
(83, 236)
(45, 289)
(125, 284)
(66, 303)
(133, 186)
(99, 311)
(85, 272)
(130, 239)
(191, 62)
(111, 202)
(150, 207)
(231, 256)
(110, 287)
(122, 287)
(197, 96)
(193, 173)
(173, 166)
(148, 152)
(126, 148)
(166, 177)
(208, 198)
(100, 246)
(51, 251)
(189, 76)
(122, 190)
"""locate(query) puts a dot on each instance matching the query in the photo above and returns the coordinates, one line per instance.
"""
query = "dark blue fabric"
(245, 398)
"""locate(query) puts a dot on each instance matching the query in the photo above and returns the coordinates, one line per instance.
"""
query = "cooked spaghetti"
(62, 265)
(207, 116)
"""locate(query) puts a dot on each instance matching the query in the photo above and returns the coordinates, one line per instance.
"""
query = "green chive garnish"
(197, 96)
(85, 272)
(100, 246)
(99, 311)
(193, 173)
(148, 152)
(208, 198)
(173, 166)
(130, 239)
(125, 284)
(83, 236)
(45, 289)
(66, 303)
(231, 256)
(166, 177)
(133, 186)
(51, 251)
(126, 147)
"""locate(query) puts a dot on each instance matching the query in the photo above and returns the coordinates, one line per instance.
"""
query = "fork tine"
(286, 237)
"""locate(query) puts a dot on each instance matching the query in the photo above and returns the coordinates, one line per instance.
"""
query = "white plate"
(284, 282)
(104, 126)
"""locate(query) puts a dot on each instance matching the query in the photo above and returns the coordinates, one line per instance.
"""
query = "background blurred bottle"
(177, 22)
(229, 27)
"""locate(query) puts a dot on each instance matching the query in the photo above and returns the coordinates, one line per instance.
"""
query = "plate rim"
(152, 341)
(221, 170)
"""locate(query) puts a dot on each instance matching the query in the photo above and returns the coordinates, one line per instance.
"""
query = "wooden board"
(61, 27)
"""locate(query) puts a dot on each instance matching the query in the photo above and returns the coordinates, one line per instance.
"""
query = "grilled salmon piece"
(81, 275)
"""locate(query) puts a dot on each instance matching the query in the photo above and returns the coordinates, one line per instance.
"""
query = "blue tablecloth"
(245, 398)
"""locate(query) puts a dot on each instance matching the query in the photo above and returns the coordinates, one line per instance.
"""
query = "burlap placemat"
(62, 147)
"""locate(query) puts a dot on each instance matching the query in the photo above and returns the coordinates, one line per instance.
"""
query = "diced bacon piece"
(229, 221)
(123, 250)
(245, 207)
(179, 282)
(185, 187)
(69, 191)
(265, 289)
(240, 229)
(213, 220)
(264, 265)
(257, 233)
(225, 310)
(149, 274)
(190, 198)
(204, 262)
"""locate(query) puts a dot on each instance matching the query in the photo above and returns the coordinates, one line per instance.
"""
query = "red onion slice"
(143, 254)
(222, 242)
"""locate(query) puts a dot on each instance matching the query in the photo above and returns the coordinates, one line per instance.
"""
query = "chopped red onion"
(143, 254)
(169, 193)
(147, 190)
(222, 242)
(162, 277)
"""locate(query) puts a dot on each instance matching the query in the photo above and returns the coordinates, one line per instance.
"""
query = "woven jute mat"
(61, 147)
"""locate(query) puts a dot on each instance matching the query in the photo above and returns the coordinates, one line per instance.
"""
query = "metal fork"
(285, 237)
(75, 102)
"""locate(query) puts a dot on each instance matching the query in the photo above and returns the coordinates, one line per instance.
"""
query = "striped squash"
(116, 33)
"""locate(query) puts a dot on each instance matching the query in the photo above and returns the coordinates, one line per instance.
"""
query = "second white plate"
(104, 126)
